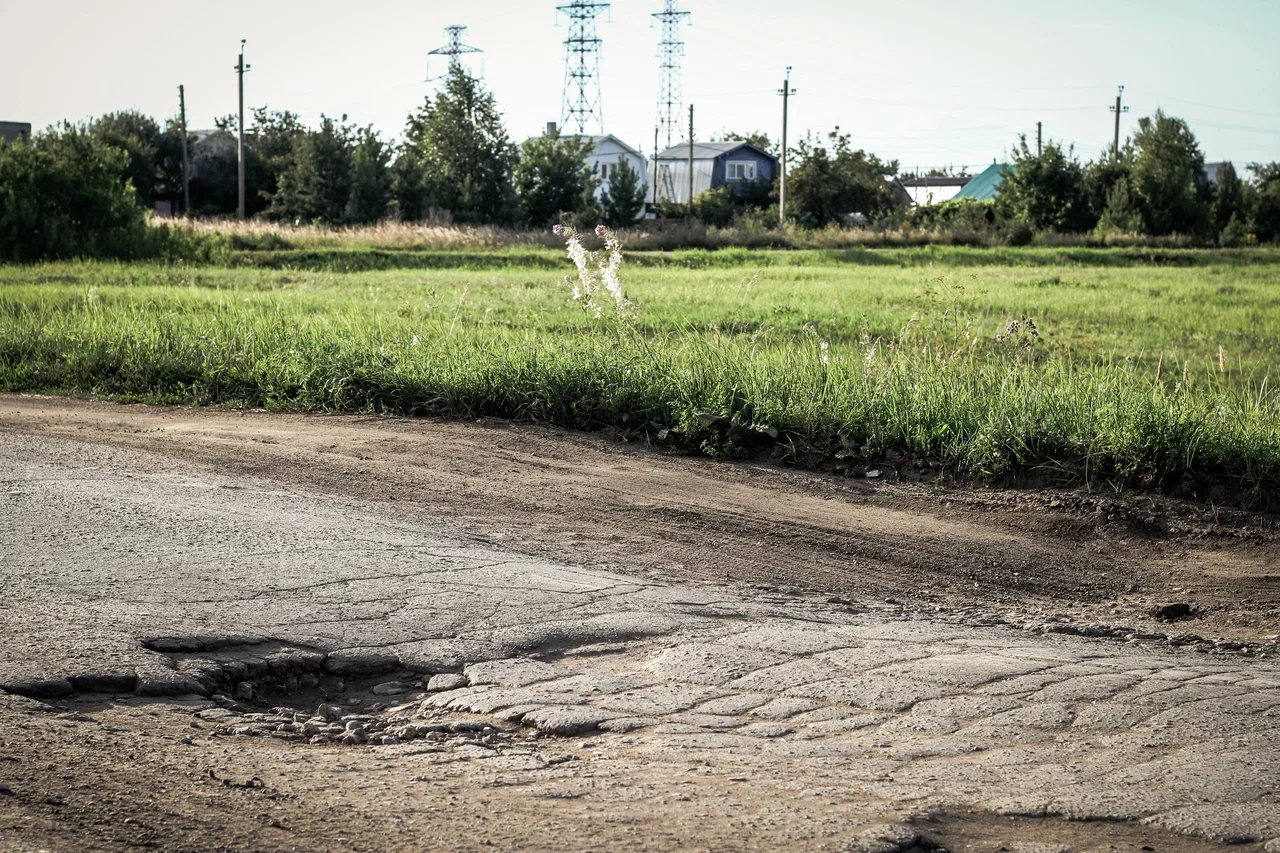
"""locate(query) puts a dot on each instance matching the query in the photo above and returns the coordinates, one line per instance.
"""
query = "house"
(736, 165)
(933, 189)
(15, 131)
(985, 185)
(607, 151)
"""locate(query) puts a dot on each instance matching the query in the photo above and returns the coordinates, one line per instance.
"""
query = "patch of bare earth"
(118, 772)
(1040, 556)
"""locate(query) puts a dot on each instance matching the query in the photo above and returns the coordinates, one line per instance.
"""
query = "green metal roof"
(986, 185)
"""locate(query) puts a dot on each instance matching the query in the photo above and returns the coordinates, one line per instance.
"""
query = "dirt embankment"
(1043, 557)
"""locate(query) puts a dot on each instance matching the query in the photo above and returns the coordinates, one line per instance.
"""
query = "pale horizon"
(930, 84)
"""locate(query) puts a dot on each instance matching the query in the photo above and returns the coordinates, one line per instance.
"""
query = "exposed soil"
(129, 774)
(1038, 556)
(115, 773)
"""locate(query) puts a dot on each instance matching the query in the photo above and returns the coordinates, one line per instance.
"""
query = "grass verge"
(698, 374)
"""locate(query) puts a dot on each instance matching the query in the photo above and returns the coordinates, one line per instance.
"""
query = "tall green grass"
(818, 365)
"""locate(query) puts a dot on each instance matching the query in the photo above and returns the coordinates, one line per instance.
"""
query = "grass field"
(1150, 370)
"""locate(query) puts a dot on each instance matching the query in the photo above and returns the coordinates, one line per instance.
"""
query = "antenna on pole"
(582, 102)
(454, 50)
(670, 50)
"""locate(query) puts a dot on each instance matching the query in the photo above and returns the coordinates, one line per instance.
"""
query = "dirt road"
(250, 631)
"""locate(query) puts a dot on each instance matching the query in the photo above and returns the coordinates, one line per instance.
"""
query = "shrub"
(64, 195)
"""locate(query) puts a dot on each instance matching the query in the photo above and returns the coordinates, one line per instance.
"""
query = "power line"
(1214, 106)
(1202, 122)
(582, 101)
(670, 51)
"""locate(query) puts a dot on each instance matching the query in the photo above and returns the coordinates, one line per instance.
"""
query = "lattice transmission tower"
(582, 103)
(454, 49)
(670, 51)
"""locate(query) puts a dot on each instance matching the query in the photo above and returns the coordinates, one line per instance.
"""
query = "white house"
(607, 152)
(934, 190)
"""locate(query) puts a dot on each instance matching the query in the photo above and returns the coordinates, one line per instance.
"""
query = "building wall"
(672, 181)
(608, 154)
(925, 196)
(766, 169)
(11, 131)
(673, 175)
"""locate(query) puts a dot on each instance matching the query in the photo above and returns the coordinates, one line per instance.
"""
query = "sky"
(930, 83)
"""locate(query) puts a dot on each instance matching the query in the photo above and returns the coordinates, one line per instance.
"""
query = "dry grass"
(654, 235)
(261, 234)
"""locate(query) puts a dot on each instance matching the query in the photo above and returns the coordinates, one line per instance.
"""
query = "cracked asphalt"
(140, 581)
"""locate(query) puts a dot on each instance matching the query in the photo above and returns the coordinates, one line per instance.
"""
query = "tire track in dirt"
(604, 503)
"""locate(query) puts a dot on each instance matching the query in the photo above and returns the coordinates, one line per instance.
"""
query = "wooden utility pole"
(186, 169)
(690, 160)
(786, 92)
(1117, 109)
(241, 68)
(1039, 148)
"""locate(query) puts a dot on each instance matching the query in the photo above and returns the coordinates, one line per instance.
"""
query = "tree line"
(456, 161)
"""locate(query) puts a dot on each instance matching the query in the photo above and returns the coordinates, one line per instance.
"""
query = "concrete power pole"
(655, 168)
(691, 160)
(786, 92)
(1039, 147)
(241, 68)
(1117, 109)
(186, 169)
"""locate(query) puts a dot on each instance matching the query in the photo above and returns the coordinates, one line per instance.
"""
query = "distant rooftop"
(705, 150)
(937, 181)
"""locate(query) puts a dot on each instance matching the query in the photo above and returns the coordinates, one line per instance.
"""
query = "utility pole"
(186, 170)
(655, 167)
(786, 92)
(1117, 109)
(691, 159)
(1039, 148)
(241, 68)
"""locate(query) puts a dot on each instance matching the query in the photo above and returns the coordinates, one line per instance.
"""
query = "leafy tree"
(1120, 214)
(461, 156)
(214, 174)
(624, 196)
(67, 194)
(1101, 177)
(833, 180)
(1229, 201)
(408, 182)
(716, 207)
(1266, 206)
(552, 178)
(1167, 177)
(155, 156)
(758, 138)
(272, 137)
(317, 185)
(1046, 190)
(370, 179)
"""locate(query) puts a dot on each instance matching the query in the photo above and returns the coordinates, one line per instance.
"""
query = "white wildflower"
(594, 272)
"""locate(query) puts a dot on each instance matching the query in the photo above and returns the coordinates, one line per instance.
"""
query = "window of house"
(740, 170)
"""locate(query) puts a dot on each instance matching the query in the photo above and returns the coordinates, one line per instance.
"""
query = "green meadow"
(1150, 370)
